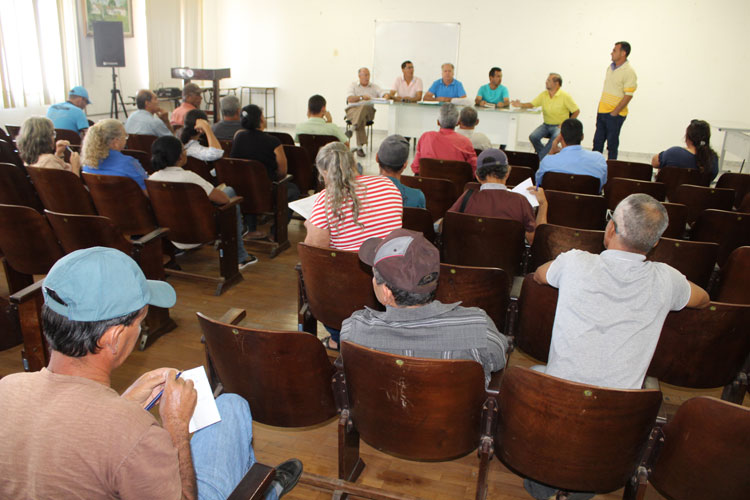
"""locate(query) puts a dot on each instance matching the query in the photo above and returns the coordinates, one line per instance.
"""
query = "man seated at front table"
(319, 121)
(149, 119)
(572, 158)
(493, 94)
(467, 121)
(191, 99)
(495, 200)
(406, 269)
(392, 158)
(557, 106)
(70, 114)
(230, 119)
(67, 434)
(358, 110)
(446, 88)
(406, 88)
(445, 144)
(611, 306)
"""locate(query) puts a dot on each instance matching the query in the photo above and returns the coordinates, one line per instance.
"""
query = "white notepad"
(206, 412)
(523, 189)
(304, 206)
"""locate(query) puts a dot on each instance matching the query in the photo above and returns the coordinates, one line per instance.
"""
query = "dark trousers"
(608, 129)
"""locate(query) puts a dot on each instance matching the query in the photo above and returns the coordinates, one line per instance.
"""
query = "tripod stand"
(115, 94)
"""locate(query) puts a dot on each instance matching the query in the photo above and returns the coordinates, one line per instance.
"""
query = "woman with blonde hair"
(37, 146)
(101, 152)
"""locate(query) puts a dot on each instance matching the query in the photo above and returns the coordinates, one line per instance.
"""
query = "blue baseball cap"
(98, 283)
(80, 92)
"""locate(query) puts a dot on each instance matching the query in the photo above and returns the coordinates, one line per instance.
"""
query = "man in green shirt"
(319, 121)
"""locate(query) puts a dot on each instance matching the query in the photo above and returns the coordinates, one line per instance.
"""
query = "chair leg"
(228, 266)
(156, 324)
(350, 463)
(281, 222)
(16, 281)
(27, 305)
(306, 322)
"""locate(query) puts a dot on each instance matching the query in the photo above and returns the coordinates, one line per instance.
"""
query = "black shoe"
(249, 261)
(287, 475)
(361, 152)
(348, 133)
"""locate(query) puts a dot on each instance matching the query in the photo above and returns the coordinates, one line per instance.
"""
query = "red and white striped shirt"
(381, 211)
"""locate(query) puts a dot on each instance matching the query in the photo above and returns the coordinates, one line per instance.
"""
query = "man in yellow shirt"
(557, 106)
(620, 82)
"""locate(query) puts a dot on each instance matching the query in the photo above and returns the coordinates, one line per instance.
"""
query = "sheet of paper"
(206, 412)
(523, 189)
(303, 206)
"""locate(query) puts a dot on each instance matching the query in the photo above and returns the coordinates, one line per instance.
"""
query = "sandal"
(327, 345)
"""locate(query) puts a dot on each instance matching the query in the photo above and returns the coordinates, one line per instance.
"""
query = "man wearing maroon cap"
(406, 268)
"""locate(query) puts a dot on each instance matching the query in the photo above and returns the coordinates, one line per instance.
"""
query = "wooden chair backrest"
(674, 176)
(10, 332)
(226, 145)
(301, 168)
(13, 131)
(739, 182)
(571, 183)
(550, 240)
(8, 154)
(702, 348)
(285, 138)
(337, 283)
(694, 259)
(582, 211)
(523, 158)
(536, 315)
(27, 240)
(470, 240)
(61, 191)
(677, 213)
(5, 136)
(122, 201)
(439, 194)
(629, 170)
(433, 407)
(617, 189)
(285, 376)
(143, 157)
(699, 198)
(487, 288)
(729, 229)
(735, 276)
(419, 219)
(705, 452)
(601, 432)
(16, 188)
(312, 144)
(141, 142)
(249, 180)
(518, 174)
(63, 134)
(201, 168)
(185, 209)
(458, 172)
(76, 232)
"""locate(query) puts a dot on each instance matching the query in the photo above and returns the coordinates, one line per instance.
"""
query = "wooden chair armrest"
(233, 316)
(27, 293)
(236, 200)
(255, 483)
(156, 233)
(286, 178)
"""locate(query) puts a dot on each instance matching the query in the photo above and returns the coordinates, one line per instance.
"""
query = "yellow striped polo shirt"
(618, 83)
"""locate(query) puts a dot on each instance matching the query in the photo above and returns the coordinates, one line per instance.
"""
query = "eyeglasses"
(611, 217)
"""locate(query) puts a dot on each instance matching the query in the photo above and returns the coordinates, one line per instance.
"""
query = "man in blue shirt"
(392, 157)
(572, 159)
(446, 88)
(493, 93)
(69, 115)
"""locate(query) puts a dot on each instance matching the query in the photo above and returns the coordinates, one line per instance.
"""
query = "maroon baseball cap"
(405, 260)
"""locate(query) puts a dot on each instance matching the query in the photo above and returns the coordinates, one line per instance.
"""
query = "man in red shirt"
(445, 144)
(191, 99)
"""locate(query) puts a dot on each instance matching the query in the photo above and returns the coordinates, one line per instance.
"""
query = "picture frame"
(101, 10)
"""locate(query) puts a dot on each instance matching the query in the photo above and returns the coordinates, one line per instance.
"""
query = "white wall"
(689, 55)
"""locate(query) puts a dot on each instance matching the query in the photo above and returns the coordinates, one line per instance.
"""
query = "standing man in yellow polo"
(557, 106)
(619, 84)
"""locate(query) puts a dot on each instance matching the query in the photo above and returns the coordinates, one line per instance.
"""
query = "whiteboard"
(427, 45)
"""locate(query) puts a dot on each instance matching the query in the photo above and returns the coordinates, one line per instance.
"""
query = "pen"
(158, 396)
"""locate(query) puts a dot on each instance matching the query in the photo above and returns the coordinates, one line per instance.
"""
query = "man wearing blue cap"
(69, 115)
(67, 433)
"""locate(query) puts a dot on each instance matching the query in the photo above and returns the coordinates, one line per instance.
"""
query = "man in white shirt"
(150, 119)
(359, 112)
(467, 120)
(406, 88)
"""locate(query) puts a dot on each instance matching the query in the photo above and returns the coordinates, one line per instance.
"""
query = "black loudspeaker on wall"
(109, 47)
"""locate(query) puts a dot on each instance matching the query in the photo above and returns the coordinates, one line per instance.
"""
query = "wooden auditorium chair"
(143, 157)
(536, 315)
(458, 172)
(439, 194)
(737, 181)
(629, 170)
(694, 259)
(286, 139)
(677, 213)
(571, 183)
(63, 134)
(700, 198)
(299, 166)
(312, 144)
(419, 219)
(202, 168)
(61, 191)
(16, 188)
(550, 240)
(522, 158)
(617, 189)
(123, 202)
(729, 229)
(734, 280)
(582, 211)
(518, 174)
(675, 176)
(141, 142)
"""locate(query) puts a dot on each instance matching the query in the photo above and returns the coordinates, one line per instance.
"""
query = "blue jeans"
(223, 452)
(608, 129)
(539, 133)
(241, 252)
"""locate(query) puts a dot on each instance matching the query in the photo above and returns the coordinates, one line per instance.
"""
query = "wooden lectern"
(214, 75)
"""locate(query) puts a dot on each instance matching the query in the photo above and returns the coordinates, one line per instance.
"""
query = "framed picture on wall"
(108, 10)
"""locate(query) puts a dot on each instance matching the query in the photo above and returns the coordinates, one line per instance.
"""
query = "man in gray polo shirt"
(150, 119)
(406, 268)
(612, 306)
(230, 119)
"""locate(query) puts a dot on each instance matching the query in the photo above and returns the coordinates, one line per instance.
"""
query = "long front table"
(413, 119)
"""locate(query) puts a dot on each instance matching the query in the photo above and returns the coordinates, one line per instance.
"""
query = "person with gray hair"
(38, 148)
(611, 306)
(467, 121)
(445, 144)
(446, 88)
(192, 96)
(149, 118)
(230, 118)
(359, 111)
